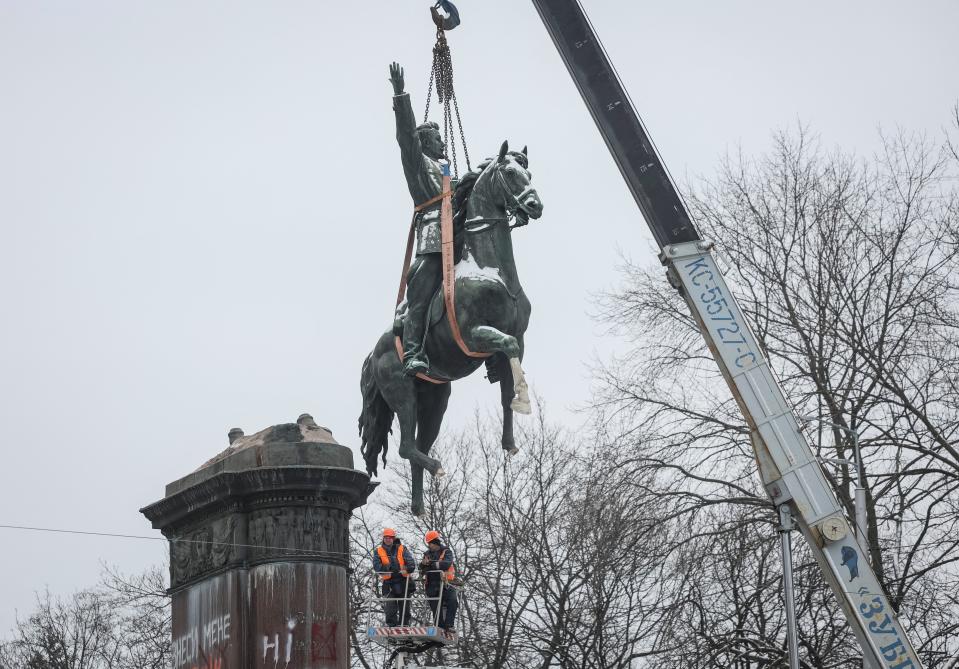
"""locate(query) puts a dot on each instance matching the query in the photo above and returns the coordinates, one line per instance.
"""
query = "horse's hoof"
(512, 451)
(521, 406)
(440, 473)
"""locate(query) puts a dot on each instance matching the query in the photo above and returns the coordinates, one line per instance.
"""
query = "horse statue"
(492, 312)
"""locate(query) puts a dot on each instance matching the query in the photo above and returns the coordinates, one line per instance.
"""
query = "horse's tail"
(376, 419)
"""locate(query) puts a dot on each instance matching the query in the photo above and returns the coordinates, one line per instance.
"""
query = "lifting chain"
(441, 77)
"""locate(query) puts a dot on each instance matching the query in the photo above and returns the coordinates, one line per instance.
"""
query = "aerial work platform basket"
(418, 640)
(409, 635)
(417, 610)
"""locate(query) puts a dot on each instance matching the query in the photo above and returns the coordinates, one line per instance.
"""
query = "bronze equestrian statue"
(491, 309)
(421, 149)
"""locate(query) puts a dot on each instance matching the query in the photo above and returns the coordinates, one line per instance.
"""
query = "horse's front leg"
(520, 403)
(487, 339)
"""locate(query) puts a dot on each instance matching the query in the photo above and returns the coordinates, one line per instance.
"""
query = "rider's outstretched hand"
(396, 78)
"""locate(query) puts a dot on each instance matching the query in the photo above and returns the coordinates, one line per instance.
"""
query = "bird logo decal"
(850, 560)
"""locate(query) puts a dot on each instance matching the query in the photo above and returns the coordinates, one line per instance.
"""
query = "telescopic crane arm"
(787, 465)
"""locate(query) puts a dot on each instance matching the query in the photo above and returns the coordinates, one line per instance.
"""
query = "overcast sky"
(203, 210)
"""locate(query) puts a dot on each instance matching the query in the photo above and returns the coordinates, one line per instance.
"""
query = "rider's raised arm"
(411, 149)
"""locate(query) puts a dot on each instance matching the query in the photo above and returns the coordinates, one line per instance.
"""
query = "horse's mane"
(461, 196)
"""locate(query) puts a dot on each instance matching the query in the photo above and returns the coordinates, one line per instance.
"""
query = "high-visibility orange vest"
(385, 559)
(450, 573)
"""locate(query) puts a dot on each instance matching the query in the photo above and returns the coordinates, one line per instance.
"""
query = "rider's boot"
(415, 365)
(425, 277)
(413, 355)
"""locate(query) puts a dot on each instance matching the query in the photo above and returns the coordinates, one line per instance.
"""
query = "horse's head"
(505, 183)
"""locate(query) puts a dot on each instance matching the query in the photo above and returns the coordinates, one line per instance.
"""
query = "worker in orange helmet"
(394, 565)
(438, 565)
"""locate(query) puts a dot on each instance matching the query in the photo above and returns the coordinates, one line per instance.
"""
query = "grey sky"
(203, 211)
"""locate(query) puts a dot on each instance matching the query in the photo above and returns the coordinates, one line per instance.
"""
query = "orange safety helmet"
(431, 536)
(389, 532)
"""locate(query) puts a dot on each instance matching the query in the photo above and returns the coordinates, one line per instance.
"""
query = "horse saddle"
(437, 310)
(435, 313)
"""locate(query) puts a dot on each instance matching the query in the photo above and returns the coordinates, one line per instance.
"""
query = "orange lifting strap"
(449, 271)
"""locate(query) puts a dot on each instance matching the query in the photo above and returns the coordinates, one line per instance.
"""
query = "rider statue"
(421, 150)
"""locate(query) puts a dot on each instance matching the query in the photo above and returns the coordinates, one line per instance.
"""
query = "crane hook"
(452, 18)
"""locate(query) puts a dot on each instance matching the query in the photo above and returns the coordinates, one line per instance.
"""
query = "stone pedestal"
(259, 552)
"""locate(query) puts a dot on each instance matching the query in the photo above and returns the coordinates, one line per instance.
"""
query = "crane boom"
(787, 465)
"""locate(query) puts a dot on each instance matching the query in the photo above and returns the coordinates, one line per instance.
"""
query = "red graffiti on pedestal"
(324, 641)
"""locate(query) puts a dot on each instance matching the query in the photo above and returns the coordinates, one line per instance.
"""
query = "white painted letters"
(204, 637)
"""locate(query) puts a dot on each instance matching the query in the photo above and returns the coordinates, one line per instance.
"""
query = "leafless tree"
(558, 556)
(145, 616)
(122, 623)
(75, 633)
(844, 267)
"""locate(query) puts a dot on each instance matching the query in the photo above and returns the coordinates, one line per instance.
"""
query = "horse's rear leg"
(407, 416)
(416, 491)
(505, 375)
(400, 392)
(487, 339)
(431, 403)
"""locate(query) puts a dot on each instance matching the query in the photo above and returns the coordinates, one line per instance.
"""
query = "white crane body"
(788, 467)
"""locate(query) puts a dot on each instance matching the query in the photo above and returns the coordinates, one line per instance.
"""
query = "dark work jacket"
(433, 577)
(396, 579)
